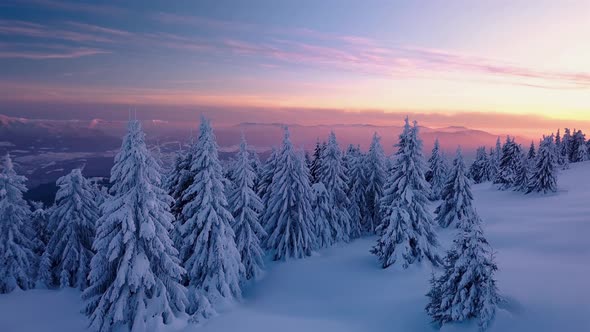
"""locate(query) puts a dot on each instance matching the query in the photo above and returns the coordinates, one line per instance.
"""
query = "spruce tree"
(134, 281)
(562, 151)
(357, 192)
(579, 148)
(333, 175)
(207, 247)
(467, 288)
(531, 155)
(267, 173)
(18, 260)
(522, 172)
(66, 260)
(256, 167)
(479, 170)
(567, 142)
(509, 165)
(494, 161)
(40, 225)
(406, 233)
(544, 177)
(376, 173)
(437, 172)
(456, 208)
(323, 216)
(316, 163)
(179, 180)
(246, 207)
(288, 217)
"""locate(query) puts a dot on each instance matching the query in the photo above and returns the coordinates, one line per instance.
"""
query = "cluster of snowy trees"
(511, 167)
(162, 245)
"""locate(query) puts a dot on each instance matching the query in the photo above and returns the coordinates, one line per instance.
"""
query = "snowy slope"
(543, 253)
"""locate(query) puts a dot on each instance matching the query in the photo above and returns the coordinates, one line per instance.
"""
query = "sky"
(518, 64)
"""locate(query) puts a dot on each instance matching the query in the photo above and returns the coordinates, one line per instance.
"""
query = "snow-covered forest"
(334, 239)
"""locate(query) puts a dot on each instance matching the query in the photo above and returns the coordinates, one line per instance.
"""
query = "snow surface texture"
(542, 255)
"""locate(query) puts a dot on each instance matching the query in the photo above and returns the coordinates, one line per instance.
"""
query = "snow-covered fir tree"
(256, 167)
(316, 163)
(18, 260)
(246, 207)
(375, 162)
(566, 142)
(509, 164)
(288, 216)
(357, 192)
(579, 151)
(562, 159)
(333, 175)
(181, 177)
(495, 159)
(456, 208)
(265, 180)
(480, 169)
(544, 177)
(323, 216)
(532, 154)
(406, 233)
(207, 247)
(66, 260)
(134, 281)
(467, 288)
(522, 171)
(436, 175)
(563, 150)
(40, 225)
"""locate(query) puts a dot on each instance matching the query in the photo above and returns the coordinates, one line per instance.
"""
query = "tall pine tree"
(18, 260)
(323, 216)
(288, 216)
(333, 175)
(406, 234)
(376, 173)
(436, 175)
(66, 260)
(357, 192)
(479, 170)
(456, 208)
(544, 177)
(467, 288)
(207, 247)
(509, 165)
(246, 207)
(135, 274)
(316, 163)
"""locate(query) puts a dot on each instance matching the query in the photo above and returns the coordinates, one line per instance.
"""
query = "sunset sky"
(466, 60)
